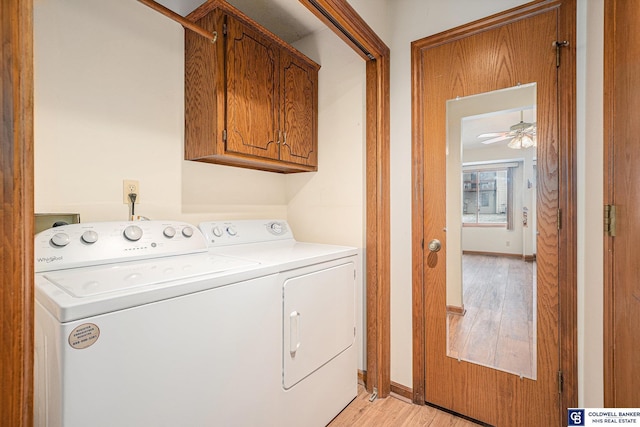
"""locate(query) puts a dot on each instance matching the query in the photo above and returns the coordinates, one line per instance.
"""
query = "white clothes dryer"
(317, 285)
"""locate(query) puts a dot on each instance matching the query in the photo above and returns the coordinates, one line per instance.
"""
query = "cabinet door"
(252, 101)
(299, 120)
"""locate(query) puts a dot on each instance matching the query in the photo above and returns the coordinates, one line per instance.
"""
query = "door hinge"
(224, 135)
(560, 382)
(610, 220)
(224, 29)
(559, 219)
(558, 45)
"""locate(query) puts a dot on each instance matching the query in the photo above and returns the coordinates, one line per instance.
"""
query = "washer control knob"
(187, 232)
(217, 231)
(133, 233)
(169, 232)
(60, 240)
(231, 231)
(89, 237)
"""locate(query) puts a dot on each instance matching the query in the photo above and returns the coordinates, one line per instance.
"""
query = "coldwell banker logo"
(49, 259)
(576, 417)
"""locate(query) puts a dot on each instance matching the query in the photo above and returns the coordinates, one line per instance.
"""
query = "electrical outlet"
(508, 243)
(130, 186)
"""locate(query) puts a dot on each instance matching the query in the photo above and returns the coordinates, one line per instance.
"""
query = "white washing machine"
(317, 285)
(138, 325)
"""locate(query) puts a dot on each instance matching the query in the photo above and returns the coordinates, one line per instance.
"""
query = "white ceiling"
(288, 19)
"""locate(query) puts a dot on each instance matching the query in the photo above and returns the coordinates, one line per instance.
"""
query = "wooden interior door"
(622, 189)
(500, 52)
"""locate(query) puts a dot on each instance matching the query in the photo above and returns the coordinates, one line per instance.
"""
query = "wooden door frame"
(16, 196)
(343, 20)
(16, 354)
(567, 327)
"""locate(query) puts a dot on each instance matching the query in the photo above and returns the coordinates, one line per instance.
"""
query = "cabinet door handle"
(279, 136)
(285, 138)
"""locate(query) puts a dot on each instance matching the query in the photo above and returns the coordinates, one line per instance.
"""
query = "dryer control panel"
(81, 245)
(223, 233)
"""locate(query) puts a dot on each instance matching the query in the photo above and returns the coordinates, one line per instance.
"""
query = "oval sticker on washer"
(84, 336)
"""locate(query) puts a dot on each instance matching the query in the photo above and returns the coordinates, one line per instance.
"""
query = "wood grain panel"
(204, 86)
(622, 188)
(567, 194)
(493, 49)
(16, 196)
(299, 94)
(252, 107)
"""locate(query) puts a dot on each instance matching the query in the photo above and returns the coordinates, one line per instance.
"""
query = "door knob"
(434, 245)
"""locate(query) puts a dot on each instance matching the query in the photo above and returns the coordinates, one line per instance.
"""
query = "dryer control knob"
(133, 233)
(217, 231)
(169, 232)
(89, 236)
(60, 240)
(187, 232)
(276, 228)
(231, 231)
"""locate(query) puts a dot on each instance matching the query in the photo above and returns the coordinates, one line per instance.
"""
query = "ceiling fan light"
(526, 141)
(522, 140)
(515, 143)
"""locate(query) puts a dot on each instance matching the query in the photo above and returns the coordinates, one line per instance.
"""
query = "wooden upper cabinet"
(251, 100)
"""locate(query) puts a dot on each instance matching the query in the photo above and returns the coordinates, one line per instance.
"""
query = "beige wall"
(590, 201)
(109, 105)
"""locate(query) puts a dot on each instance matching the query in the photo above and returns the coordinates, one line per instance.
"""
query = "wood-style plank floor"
(498, 329)
(393, 412)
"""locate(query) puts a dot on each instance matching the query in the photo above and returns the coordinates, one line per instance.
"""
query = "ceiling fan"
(521, 135)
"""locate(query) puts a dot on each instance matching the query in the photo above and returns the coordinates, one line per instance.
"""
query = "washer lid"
(92, 281)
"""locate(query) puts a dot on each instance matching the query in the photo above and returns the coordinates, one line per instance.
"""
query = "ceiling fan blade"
(500, 138)
(491, 134)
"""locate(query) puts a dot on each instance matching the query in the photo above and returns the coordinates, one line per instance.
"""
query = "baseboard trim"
(527, 258)
(398, 390)
(457, 310)
(501, 254)
(362, 377)
(402, 391)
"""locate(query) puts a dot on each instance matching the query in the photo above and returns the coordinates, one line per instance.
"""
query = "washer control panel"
(81, 245)
(222, 233)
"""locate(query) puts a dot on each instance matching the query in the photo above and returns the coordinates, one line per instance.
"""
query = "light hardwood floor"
(393, 412)
(498, 328)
